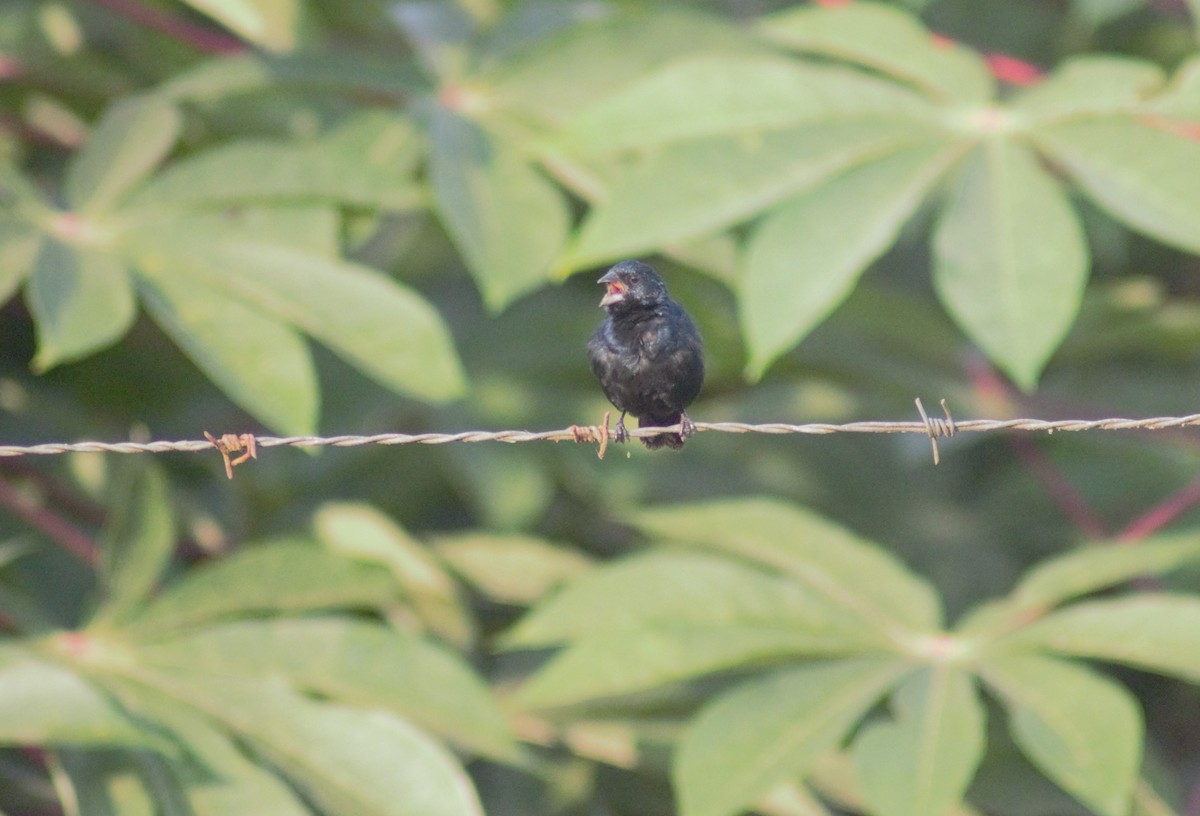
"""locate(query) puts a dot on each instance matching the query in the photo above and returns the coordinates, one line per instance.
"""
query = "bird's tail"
(664, 440)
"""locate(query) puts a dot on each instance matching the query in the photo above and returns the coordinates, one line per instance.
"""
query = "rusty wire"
(933, 427)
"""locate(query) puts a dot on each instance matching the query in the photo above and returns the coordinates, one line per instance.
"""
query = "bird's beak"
(615, 292)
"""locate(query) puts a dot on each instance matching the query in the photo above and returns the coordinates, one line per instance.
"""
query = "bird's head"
(631, 284)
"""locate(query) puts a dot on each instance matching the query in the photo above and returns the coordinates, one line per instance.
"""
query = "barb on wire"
(249, 444)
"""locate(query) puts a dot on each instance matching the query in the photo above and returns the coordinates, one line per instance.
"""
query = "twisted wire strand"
(928, 426)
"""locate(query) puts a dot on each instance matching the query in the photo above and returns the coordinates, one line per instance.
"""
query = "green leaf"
(666, 588)
(19, 248)
(361, 531)
(276, 576)
(132, 137)
(261, 364)
(806, 255)
(1147, 177)
(772, 729)
(510, 568)
(1089, 84)
(353, 662)
(711, 95)
(508, 222)
(138, 540)
(837, 569)
(347, 761)
(588, 61)
(1082, 571)
(694, 187)
(368, 162)
(1157, 633)
(615, 663)
(1011, 259)
(921, 763)
(44, 704)
(81, 300)
(1180, 100)
(889, 40)
(1082, 730)
(271, 24)
(222, 780)
(384, 329)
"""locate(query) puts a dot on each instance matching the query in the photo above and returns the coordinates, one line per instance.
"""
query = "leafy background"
(269, 216)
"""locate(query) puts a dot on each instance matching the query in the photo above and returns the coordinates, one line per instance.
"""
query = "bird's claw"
(621, 435)
(686, 426)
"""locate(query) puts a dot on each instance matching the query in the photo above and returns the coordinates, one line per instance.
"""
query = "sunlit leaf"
(1089, 84)
(44, 704)
(81, 299)
(1158, 633)
(510, 568)
(842, 572)
(276, 576)
(508, 221)
(806, 255)
(665, 588)
(1082, 571)
(272, 24)
(1011, 259)
(612, 664)
(1140, 172)
(888, 39)
(1082, 730)
(130, 140)
(921, 763)
(361, 531)
(347, 760)
(772, 729)
(701, 185)
(587, 61)
(138, 539)
(353, 662)
(260, 363)
(380, 326)
(708, 96)
(369, 162)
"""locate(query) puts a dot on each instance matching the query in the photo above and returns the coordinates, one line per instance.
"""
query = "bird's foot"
(621, 435)
(686, 426)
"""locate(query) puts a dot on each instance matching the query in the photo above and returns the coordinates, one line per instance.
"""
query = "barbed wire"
(247, 445)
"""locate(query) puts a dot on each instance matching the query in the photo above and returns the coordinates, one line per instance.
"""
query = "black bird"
(647, 354)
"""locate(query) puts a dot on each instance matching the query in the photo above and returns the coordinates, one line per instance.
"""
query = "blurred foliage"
(251, 215)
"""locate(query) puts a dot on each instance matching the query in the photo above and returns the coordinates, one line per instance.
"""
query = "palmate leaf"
(806, 255)
(281, 575)
(840, 572)
(1011, 260)
(1082, 730)
(710, 95)
(1156, 633)
(887, 39)
(697, 186)
(353, 662)
(130, 140)
(271, 24)
(1139, 170)
(771, 729)
(82, 300)
(367, 161)
(922, 763)
(348, 761)
(508, 222)
(43, 703)
(260, 363)
(138, 540)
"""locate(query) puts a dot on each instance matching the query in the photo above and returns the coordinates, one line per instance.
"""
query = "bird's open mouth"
(614, 294)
